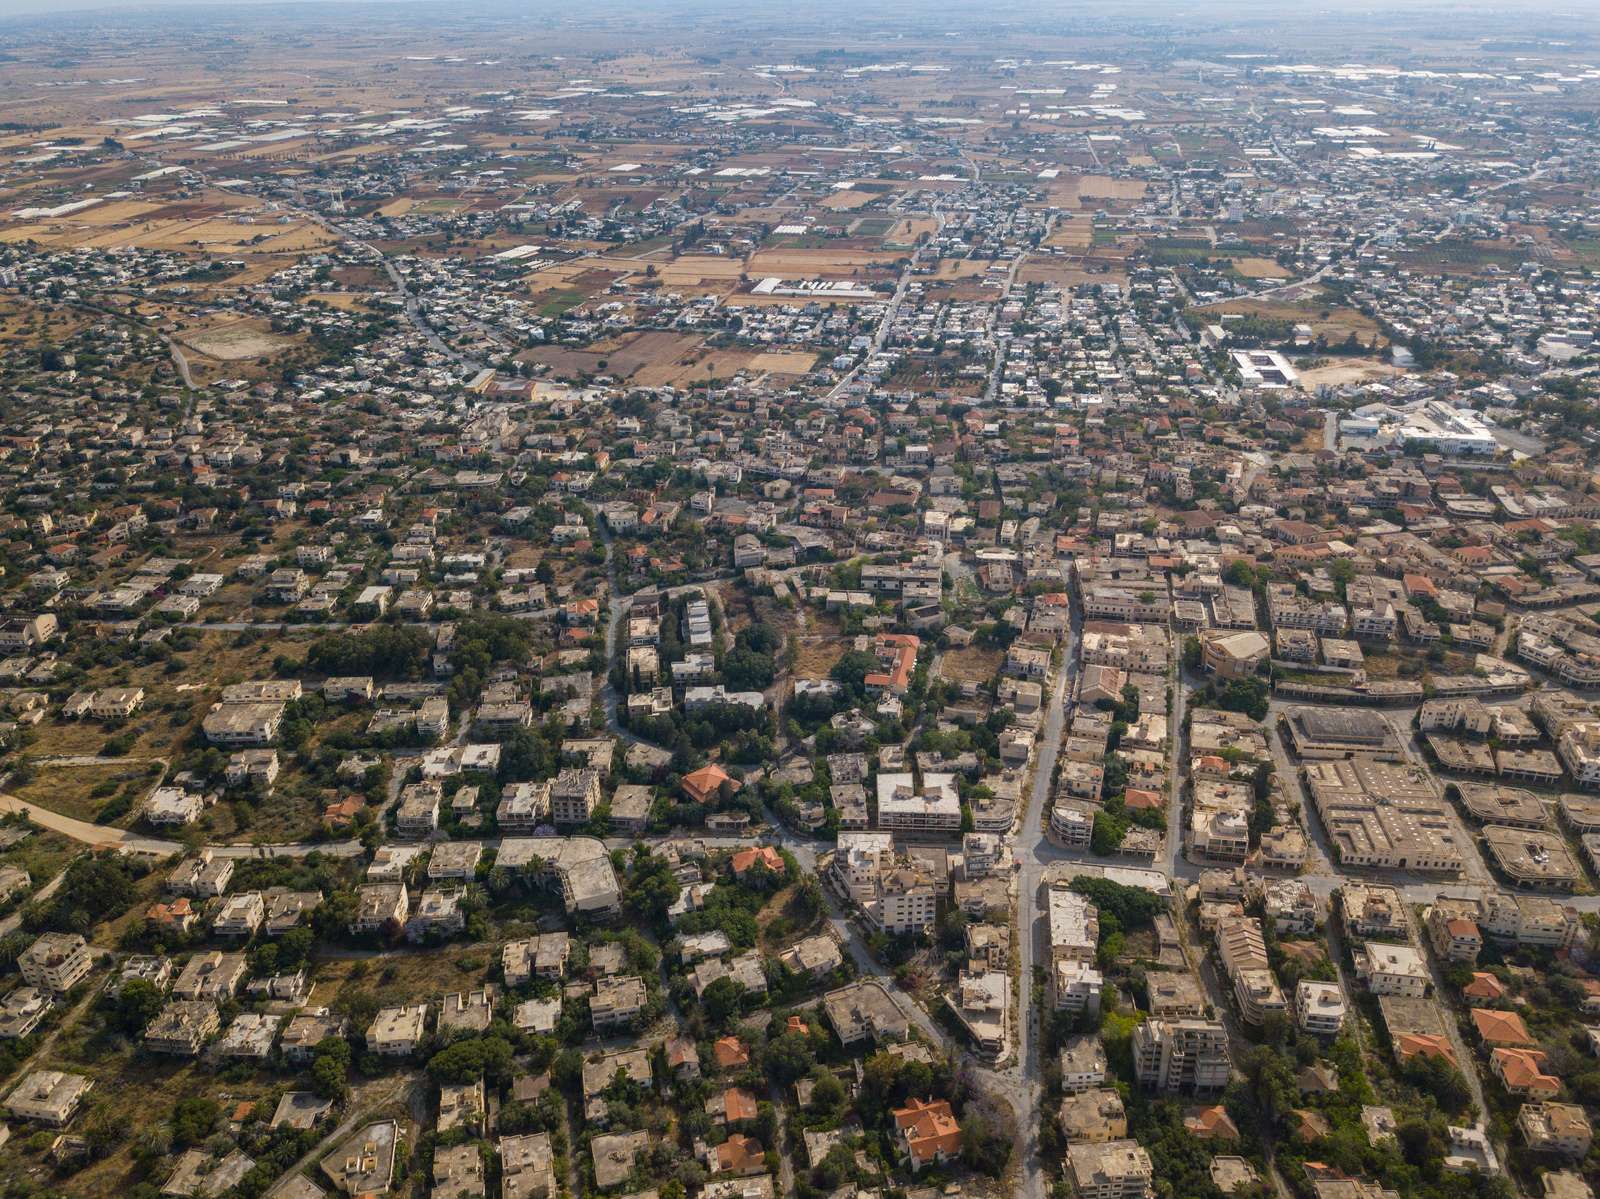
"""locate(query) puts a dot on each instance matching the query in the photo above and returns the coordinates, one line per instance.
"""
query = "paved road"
(886, 324)
(413, 314)
(1028, 1088)
(183, 365)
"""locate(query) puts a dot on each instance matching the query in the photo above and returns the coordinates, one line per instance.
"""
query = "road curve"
(183, 365)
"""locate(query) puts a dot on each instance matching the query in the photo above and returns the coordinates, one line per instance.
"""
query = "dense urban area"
(836, 605)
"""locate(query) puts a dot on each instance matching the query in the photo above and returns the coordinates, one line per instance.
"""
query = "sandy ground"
(777, 262)
(1071, 233)
(1068, 272)
(1259, 268)
(1336, 373)
(848, 199)
(959, 268)
(233, 342)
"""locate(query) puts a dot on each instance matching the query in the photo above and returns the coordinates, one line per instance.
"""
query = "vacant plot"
(817, 655)
(139, 1092)
(1259, 268)
(1068, 272)
(404, 978)
(957, 268)
(233, 342)
(803, 263)
(1101, 187)
(783, 362)
(1338, 372)
(81, 791)
(649, 349)
(700, 270)
(43, 854)
(872, 226)
(979, 665)
(1071, 233)
(1334, 323)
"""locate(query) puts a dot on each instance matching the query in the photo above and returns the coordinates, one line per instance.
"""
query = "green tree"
(139, 1002)
(722, 1000)
(788, 1058)
(329, 1065)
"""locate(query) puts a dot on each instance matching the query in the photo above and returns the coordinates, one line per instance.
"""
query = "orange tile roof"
(739, 1104)
(766, 855)
(739, 1152)
(1501, 1028)
(930, 1128)
(1523, 1070)
(1211, 1123)
(731, 1052)
(1408, 1045)
(703, 783)
(1484, 986)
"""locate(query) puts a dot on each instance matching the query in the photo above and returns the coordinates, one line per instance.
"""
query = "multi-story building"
(395, 1031)
(906, 898)
(1556, 1128)
(616, 1001)
(56, 962)
(936, 810)
(1112, 1170)
(1319, 1008)
(1391, 969)
(183, 1027)
(1241, 945)
(205, 876)
(523, 807)
(1290, 905)
(1189, 1054)
(1453, 929)
(418, 813)
(1530, 920)
(1372, 911)
(241, 915)
(1083, 1063)
(1579, 750)
(49, 1097)
(1258, 995)
(378, 904)
(858, 861)
(574, 795)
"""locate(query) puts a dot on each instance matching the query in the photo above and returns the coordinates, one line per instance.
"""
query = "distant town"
(703, 606)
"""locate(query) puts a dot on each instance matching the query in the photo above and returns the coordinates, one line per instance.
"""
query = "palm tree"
(106, 1131)
(11, 948)
(157, 1138)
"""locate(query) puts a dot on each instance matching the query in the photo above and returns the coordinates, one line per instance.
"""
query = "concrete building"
(49, 1097)
(1189, 1054)
(1391, 969)
(1319, 1008)
(56, 962)
(1113, 1170)
(862, 1010)
(396, 1031)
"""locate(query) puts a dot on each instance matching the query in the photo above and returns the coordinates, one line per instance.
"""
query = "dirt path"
(49, 1041)
(361, 1107)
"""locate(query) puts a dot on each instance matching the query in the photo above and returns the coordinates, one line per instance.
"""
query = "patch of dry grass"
(972, 663)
